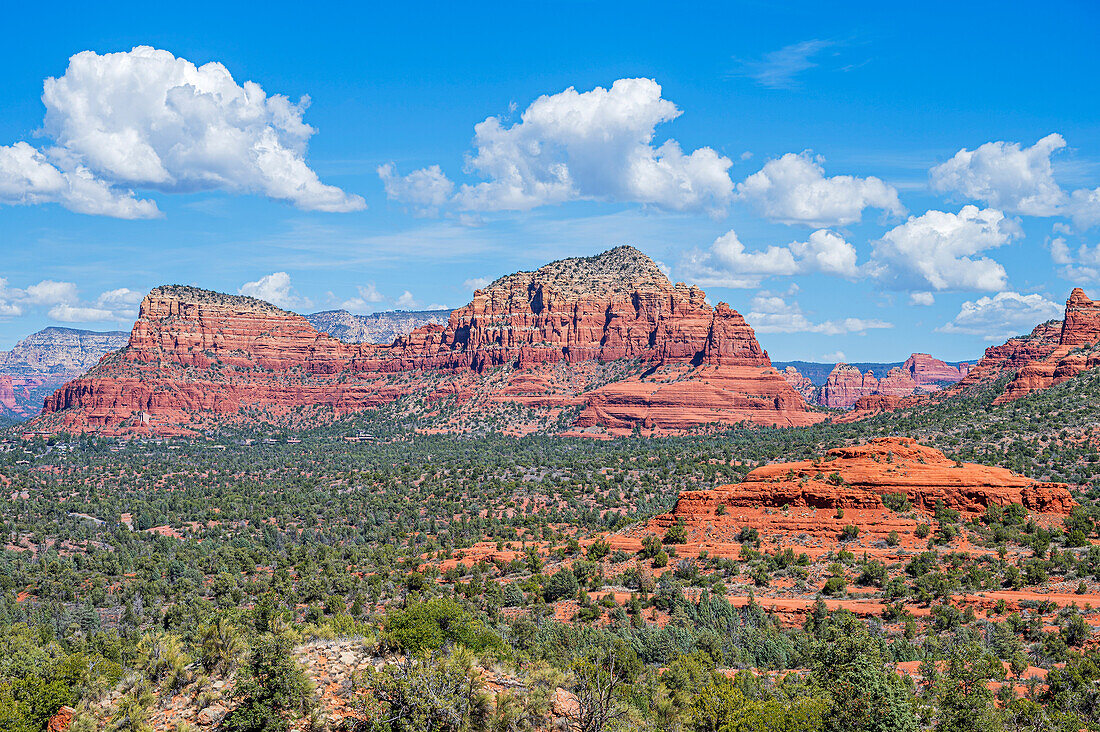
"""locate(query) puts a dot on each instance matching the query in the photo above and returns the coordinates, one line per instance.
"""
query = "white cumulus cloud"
(592, 145)
(276, 289)
(793, 189)
(406, 301)
(1084, 207)
(426, 190)
(729, 264)
(9, 305)
(1002, 315)
(368, 297)
(773, 314)
(49, 292)
(827, 252)
(922, 298)
(62, 302)
(28, 178)
(1005, 175)
(476, 283)
(147, 119)
(938, 250)
(1082, 263)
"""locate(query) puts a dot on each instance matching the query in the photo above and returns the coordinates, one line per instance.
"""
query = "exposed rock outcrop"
(198, 353)
(1078, 350)
(928, 371)
(801, 384)
(920, 373)
(858, 477)
(62, 349)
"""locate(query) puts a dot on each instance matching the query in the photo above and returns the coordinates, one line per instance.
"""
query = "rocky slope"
(62, 349)
(1013, 354)
(45, 360)
(608, 334)
(801, 384)
(382, 327)
(1053, 352)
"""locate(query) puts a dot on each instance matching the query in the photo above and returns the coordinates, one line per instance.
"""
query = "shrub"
(676, 534)
(431, 625)
(598, 549)
(272, 689)
(898, 502)
(561, 585)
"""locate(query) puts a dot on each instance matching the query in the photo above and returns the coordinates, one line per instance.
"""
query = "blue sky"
(862, 180)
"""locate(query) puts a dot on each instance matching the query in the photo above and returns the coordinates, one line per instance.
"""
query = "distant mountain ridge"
(818, 371)
(45, 360)
(381, 328)
(67, 349)
(847, 383)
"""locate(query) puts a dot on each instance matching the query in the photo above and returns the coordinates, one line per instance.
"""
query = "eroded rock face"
(1076, 351)
(1014, 354)
(61, 721)
(1081, 326)
(801, 384)
(858, 477)
(681, 399)
(927, 371)
(194, 351)
(919, 374)
(845, 385)
(61, 349)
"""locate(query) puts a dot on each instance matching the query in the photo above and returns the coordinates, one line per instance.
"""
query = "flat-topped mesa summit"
(189, 326)
(194, 350)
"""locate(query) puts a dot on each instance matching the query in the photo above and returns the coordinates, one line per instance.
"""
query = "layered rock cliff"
(1077, 350)
(194, 353)
(1013, 354)
(801, 384)
(61, 349)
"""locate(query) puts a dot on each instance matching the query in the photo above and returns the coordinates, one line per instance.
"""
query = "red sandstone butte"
(1076, 351)
(546, 338)
(801, 384)
(1013, 354)
(921, 373)
(858, 476)
(928, 371)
